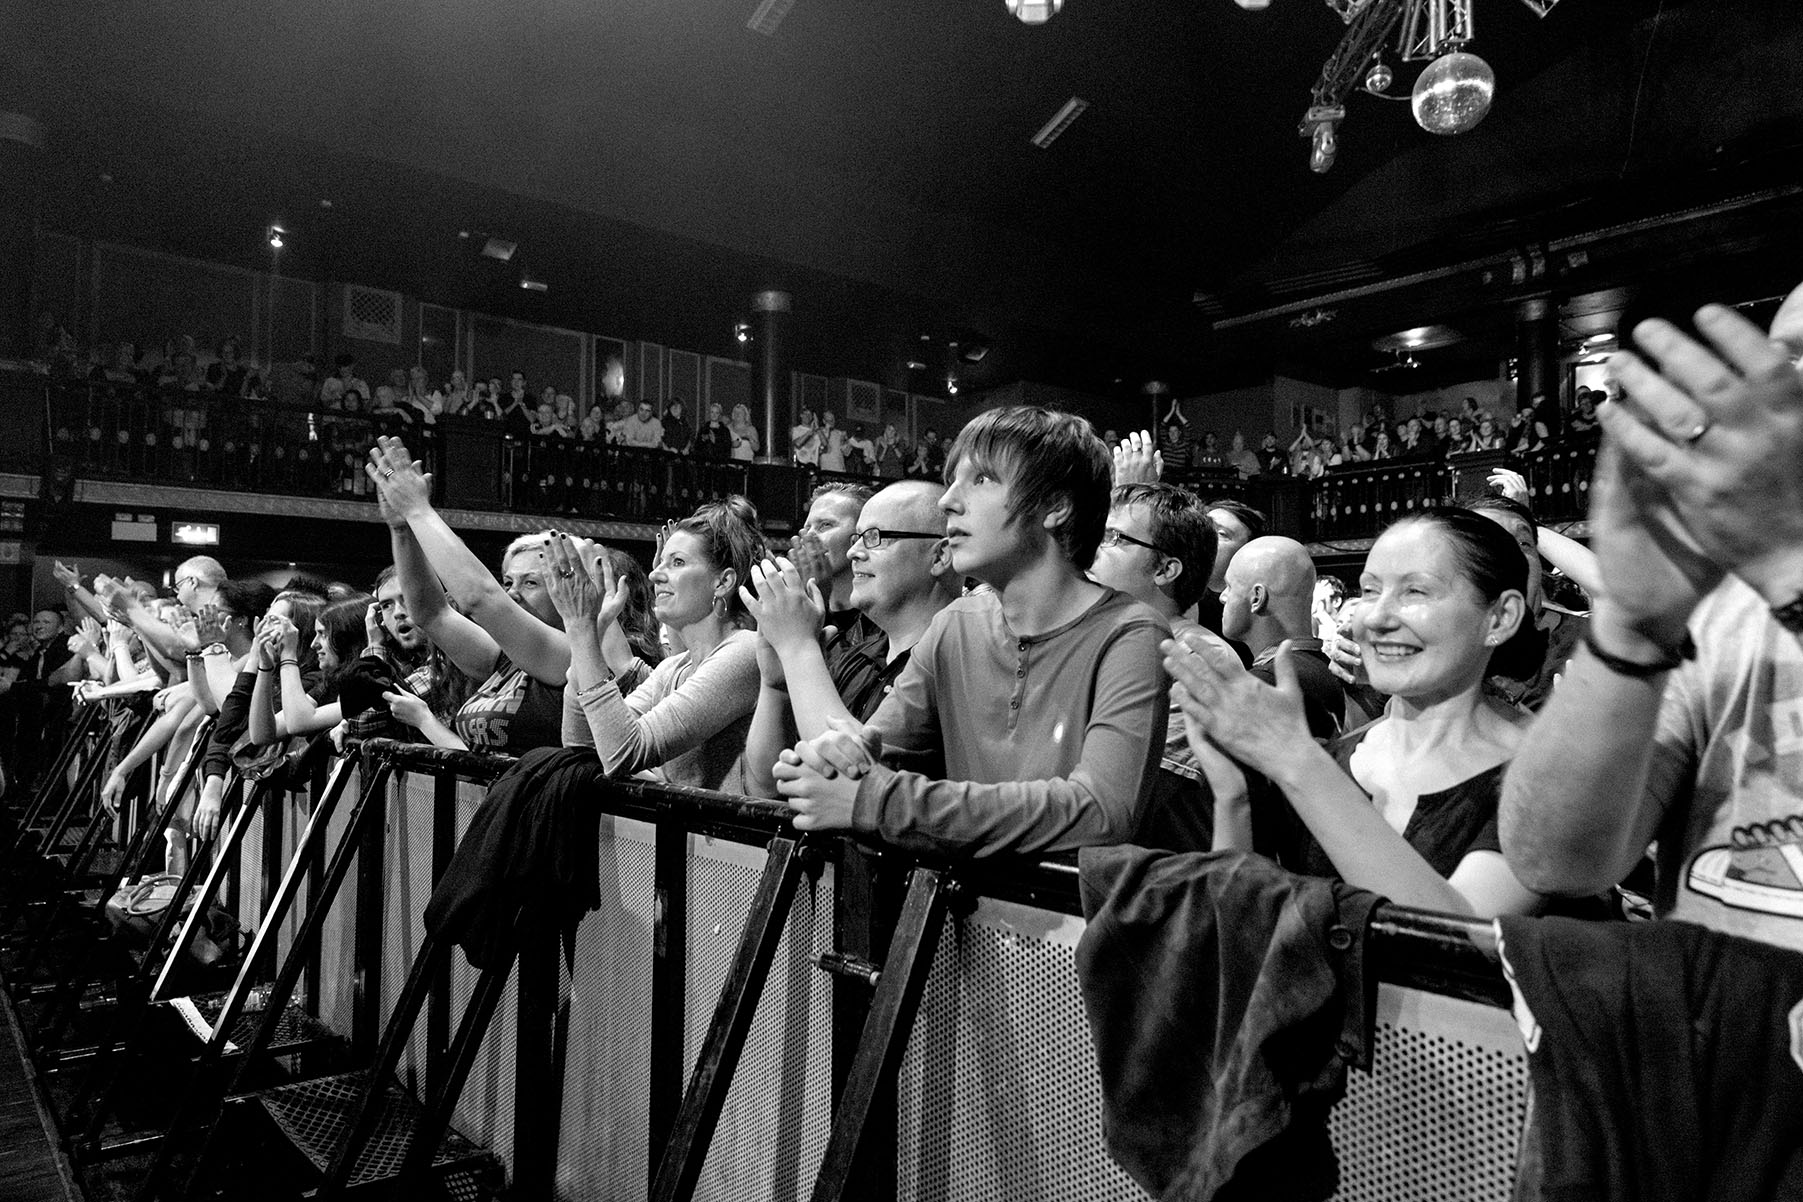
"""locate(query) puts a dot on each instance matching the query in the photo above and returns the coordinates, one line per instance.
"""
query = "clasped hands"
(819, 777)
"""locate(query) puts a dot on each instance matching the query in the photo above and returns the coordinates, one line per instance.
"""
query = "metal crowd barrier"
(580, 1084)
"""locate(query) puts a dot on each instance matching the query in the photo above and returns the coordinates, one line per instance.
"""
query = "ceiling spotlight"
(741, 332)
(1253, 5)
(532, 285)
(1453, 94)
(917, 365)
(1035, 12)
(1322, 149)
(1319, 126)
(275, 235)
(1379, 78)
(951, 385)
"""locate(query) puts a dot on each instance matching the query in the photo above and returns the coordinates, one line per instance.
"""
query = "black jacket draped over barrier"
(534, 843)
(1226, 998)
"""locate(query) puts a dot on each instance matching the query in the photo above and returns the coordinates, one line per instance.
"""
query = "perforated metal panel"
(1439, 1116)
(999, 1097)
(604, 1148)
(773, 1130)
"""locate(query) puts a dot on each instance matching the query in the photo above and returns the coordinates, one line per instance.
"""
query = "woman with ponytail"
(688, 719)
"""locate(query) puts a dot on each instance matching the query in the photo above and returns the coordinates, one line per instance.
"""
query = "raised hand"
(1510, 484)
(788, 607)
(67, 574)
(1137, 460)
(1719, 430)
(88, 638)
(1254, 723)
(398, 478)
(372, 626)
(1652, 571)
(269, 645)
(289, 634)
(567, 580)
(808, 555)
(209, 625)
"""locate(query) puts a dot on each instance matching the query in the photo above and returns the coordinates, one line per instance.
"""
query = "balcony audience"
(745, 441)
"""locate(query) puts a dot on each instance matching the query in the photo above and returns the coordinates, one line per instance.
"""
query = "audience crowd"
(1040, 645)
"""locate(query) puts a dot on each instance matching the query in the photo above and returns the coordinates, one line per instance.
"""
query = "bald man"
(1269, 593)
(901, 577)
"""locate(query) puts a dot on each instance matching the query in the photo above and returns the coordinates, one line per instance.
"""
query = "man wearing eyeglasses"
(901, 577)
(1159, 548)
(197, 584)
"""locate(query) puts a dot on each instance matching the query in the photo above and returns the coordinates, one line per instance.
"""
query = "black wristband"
(1633, 668)
(1790, 614)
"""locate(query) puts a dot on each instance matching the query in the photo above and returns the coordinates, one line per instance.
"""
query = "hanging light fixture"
(1453, 93)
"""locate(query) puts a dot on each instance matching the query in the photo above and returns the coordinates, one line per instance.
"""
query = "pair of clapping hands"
(818, 777)
(276, 639)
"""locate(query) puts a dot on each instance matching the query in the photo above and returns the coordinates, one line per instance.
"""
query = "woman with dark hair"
(687, 719)
(308, 698)
(1405, 805)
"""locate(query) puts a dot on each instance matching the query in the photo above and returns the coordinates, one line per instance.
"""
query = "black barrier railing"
(1439, 953)
(116, 432)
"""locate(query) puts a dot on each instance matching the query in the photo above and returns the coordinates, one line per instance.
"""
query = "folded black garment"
(1666, 1059)
(534, 843)
(1225, 997)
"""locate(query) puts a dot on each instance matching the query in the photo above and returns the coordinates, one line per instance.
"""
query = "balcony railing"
(113, 432)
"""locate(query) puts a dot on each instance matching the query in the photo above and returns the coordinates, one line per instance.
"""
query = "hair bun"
(742, 508)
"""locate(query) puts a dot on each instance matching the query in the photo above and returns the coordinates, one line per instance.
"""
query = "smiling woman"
(1405, 806)
(687, 720)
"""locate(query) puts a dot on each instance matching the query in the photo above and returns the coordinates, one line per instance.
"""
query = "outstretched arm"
(542, 650)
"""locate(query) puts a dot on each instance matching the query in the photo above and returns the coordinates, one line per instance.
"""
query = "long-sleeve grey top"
(686, 723)
(994, 743)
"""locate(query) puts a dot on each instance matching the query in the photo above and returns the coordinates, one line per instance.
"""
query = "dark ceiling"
(658, 161)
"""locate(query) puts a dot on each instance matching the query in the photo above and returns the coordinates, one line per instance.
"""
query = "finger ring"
(387, 473)
(566, 572)
(1696, 433)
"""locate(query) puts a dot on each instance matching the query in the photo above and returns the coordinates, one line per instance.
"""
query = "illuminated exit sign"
(195, 534)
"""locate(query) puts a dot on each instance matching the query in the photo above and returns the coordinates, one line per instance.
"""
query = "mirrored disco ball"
(1453, 94)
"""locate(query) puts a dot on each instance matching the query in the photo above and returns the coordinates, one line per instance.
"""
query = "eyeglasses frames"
(875, 536)
(1112, 537)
